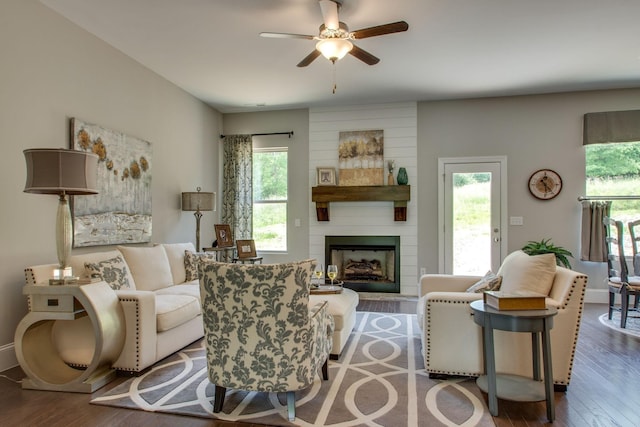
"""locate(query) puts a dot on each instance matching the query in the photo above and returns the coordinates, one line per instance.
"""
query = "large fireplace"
(365, 263)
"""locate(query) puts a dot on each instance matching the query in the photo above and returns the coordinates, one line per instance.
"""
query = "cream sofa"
(161, 307)
(452, 342)
(159, 294)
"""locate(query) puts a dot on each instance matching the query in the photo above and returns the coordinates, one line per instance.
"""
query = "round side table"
(515, 387)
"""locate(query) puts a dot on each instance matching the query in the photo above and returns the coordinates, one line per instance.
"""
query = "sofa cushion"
(522, 272)
(192, 263)
(187, 288)
(490, 282)
(149, 267)
(174, 310)
(114, 271)
(175, 254)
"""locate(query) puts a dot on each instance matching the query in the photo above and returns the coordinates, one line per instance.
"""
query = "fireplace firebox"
(366, 263)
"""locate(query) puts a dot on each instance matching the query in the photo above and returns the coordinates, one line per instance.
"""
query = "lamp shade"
(198, 201)
(334, 48)
(57, 171)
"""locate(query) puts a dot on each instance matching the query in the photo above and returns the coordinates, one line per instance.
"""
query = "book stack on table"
(514, 300)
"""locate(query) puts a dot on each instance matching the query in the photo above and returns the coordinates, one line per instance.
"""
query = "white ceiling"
(453, 48)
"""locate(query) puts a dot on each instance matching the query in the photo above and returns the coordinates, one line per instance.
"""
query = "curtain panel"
(592, 246)
(237, 185)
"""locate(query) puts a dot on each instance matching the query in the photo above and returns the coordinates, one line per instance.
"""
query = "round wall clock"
(545, 184)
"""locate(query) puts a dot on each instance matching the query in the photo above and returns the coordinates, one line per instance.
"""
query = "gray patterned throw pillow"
(192, 261)
(114, 271)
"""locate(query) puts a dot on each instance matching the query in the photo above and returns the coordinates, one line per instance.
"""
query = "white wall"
(398, 121)
(51, 71)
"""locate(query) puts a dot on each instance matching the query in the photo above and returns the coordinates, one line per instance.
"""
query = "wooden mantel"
(398, 194)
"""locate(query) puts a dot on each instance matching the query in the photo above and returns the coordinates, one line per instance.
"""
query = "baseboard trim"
(597, 296)
(7, 357)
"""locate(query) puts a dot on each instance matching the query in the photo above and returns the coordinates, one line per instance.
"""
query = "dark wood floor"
(604, 390)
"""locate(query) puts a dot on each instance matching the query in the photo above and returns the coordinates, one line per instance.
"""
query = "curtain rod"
(583, 198)
(290, 133)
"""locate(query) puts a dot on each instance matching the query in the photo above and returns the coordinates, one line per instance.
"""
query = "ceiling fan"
(334, 37)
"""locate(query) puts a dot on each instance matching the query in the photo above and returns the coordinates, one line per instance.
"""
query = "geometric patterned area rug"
(379, 380)
(633, 323)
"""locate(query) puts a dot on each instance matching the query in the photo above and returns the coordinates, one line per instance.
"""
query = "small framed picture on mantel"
(326, 176)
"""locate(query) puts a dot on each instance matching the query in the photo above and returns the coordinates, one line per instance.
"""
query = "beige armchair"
(260, 334)
(452, 342)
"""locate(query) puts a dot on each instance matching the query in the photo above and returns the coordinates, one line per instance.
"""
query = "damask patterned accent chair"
(260, 334)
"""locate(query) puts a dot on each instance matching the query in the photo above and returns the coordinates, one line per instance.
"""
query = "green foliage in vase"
(546, 247)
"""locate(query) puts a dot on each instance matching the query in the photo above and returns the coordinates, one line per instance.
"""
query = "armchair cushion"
(149, 266)
(114, 271)
(522, 272)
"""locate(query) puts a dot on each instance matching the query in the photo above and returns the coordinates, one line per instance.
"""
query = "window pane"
(614, 170)
(270, 226)
(270, 175)
(270, 199)
(471, 223)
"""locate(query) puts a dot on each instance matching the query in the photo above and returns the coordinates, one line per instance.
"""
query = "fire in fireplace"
(366, 263)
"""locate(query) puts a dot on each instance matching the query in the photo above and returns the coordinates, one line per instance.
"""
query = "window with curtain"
(270, 198)
(614, 170)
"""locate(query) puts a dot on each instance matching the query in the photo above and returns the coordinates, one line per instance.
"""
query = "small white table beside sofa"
(158, 298)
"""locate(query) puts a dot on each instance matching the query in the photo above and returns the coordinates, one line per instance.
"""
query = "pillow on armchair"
(522, 272)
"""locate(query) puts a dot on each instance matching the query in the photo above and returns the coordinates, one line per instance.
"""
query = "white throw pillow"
(175, 254)
(149, 267)
(522, 272)
(490, 282)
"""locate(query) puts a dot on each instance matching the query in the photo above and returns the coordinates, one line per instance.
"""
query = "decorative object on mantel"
(361, 157)
(61, 172)
(121, 212)
(399, 195)
(198, 202)
(403, 179)
(326, 176)
(391, 164)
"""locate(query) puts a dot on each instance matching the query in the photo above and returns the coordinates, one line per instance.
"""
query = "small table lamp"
(62, 172)
(198, 202)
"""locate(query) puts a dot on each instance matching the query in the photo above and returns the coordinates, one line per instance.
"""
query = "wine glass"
(318, 272)
(332, 272)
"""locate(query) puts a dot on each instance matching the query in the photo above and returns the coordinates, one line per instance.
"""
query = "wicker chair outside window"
(619, 281)
(260, 334)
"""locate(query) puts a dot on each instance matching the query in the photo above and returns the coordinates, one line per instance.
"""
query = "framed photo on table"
(246, 249)
(223, 235)
(326, 176)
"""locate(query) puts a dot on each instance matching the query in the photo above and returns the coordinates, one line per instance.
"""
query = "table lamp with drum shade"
(64, 173)
(199, 202)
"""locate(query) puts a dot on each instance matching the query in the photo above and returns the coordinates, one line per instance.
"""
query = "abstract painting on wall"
(121, 211)
(361, 158)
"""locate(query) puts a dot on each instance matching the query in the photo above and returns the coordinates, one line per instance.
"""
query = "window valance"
(611, 126)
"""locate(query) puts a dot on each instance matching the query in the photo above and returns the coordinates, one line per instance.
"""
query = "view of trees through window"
(270, 199)
(614, 170)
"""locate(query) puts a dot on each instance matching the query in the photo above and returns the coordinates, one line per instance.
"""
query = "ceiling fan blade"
(287, 36)
(379, 30)
(364, 56)
(309, 58)
(329, 10)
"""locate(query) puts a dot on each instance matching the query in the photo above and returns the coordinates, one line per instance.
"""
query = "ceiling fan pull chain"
(335, 87)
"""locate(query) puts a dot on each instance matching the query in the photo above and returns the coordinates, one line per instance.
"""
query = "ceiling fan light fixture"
(334, 49)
